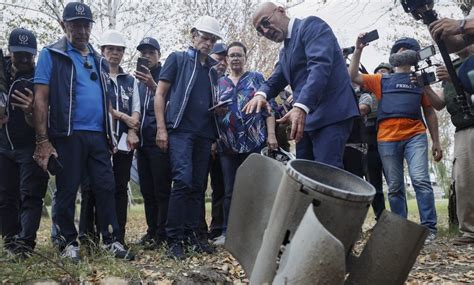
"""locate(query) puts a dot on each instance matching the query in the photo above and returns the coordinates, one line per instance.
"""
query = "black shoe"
(176, 251)
(23, 249)
(146, 239)
(213, 234)
(118, 251)
(156, 243)
(200, 246)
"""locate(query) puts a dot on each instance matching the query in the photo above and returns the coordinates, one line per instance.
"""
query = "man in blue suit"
(311, 62)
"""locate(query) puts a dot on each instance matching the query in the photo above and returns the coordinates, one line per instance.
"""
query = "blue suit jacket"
(311, 62)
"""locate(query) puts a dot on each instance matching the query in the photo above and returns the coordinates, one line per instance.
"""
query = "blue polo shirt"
(88, 114)
(196, 117)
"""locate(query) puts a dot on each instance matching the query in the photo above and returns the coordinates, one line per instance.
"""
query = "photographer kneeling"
(401, 132)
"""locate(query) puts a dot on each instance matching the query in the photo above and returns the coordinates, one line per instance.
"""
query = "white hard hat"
(209, 25)
(112, 38)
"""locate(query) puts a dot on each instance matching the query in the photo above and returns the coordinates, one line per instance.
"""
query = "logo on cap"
(23, 39)
(80, 9)
(146, 40)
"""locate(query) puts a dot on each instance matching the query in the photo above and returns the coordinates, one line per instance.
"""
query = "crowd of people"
(80, 116)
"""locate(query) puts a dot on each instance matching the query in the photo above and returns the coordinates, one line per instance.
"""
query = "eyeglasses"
(206, 37)
(265, 22)
(235, 55)
(89, 67)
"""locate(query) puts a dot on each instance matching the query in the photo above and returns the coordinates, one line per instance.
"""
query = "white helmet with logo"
(209, 25)
(112, 38)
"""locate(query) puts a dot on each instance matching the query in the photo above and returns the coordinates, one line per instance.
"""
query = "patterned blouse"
(239, 132)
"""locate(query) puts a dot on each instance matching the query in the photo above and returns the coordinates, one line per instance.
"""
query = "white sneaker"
(118, 251)
(219, 241)
(71, 252)
(430, 238)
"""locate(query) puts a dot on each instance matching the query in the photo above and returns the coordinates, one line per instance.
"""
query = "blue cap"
(466, 69)
(77, 11)
(408, 43)
(219, 48)
(148, 41)
(22, 40)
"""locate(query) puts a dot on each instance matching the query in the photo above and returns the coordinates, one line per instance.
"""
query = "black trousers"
(23, 186)
(217, 200)
(85, 153)
(122, 162)
(154, 172)
(374, 176)
(369, 166)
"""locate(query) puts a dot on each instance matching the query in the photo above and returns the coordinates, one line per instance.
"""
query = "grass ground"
(435, 264)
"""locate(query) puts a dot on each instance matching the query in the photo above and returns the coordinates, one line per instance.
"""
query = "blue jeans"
(189, 157)
(415, 152)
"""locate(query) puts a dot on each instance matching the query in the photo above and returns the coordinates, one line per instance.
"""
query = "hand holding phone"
(370, 37)
(141, 62)
(54, 166)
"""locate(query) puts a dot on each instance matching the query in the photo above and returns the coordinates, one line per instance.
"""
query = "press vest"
(400, 98)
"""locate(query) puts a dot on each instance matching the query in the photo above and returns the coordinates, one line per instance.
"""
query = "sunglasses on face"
(206, 37)
(265, 23)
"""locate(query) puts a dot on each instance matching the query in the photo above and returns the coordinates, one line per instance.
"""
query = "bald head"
(271, 21)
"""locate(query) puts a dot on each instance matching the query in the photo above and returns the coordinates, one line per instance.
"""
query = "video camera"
(423, 10)
(424, 76)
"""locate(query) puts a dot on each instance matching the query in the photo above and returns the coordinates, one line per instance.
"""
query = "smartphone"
(426, 52)
(21, 85)
(221, 104)
(54, 166)
(370, 37)
(142, 61)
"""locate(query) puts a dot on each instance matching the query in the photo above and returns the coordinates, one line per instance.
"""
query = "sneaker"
(71, 252)
(219, 241)
(463, 240)
(176, 251)
(430, 238)
(24, 249)
(118, 251)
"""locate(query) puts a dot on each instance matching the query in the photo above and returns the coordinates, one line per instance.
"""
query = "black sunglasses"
(265, 22)
(89, 67)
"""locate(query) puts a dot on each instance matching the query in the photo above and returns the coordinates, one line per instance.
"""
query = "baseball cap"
(22, 40)
(148, 41)
(77, 11)
(408, 43)
(219, 48)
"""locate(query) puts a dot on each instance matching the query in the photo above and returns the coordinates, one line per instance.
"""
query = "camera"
(424, 76)
(423, 10)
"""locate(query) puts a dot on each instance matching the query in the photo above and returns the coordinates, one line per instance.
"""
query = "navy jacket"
(182, 86)
(121, 99)
(18, 133)
(311, 62)
(62, 91)
(147, 110)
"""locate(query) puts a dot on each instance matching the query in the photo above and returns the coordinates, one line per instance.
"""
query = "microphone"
(406, 57)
